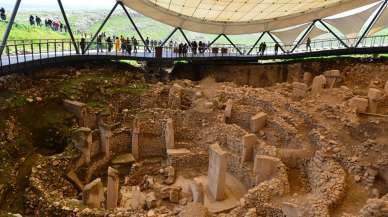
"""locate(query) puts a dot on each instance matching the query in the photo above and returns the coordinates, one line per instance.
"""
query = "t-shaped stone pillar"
(113, 188)
(82, 139)
(135, 141)
(248, 141)
(217, 172)
(105, 137)
(93, 194)
(169, 134)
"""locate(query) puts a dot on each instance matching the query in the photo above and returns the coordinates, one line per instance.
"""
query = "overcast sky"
(52, 4)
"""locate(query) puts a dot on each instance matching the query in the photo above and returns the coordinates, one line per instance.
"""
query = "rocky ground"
(328, 131)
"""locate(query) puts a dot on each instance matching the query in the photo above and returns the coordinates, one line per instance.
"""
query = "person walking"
(110, 44)
(38, 21)
(308, 44)
(99, 44)
(117, 44)
(82, 45)
(277, 48)
(123, 44)
(135, 44)
(128, 46)
(32, 20)
(2, 14)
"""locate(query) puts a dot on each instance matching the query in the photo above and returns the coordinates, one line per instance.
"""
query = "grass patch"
(95, 104)
(136, 88)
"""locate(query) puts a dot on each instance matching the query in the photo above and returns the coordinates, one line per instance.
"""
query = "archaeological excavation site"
(291, 139)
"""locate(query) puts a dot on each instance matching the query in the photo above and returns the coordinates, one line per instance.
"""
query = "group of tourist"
(3, 17)
(120, 44)
(54, 24)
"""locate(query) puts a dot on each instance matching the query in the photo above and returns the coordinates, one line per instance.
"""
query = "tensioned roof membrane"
(240, 16)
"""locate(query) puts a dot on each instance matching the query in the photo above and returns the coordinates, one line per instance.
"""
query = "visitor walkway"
(29, 53)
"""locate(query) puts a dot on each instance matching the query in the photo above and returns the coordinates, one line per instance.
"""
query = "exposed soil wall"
(362, 71)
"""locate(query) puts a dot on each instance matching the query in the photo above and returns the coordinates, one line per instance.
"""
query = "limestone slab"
(217, 172)
(258, 122)
(93, 194)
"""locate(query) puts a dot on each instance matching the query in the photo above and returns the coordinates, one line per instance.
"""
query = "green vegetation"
(25, 32)
(136, 88)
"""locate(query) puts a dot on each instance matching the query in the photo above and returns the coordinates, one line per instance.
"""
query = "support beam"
(230, 41)
(276, 41)
(9, 26)
(379, 12)
(169, 36)
(254, 45)
(211, 43)
(68, 26)
(102, 26)
(134, 25)
(333, 33)
(304, 35)
(184, 35)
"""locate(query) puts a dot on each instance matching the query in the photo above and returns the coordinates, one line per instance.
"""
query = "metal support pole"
(9, 26)
(169, 36)
(68, 26)
(227, 38)
(379, 12)
(304, 35)
(102, 26)
(333, 33)
(254, 45)
(184, 36)
(211, 43)
(134, 25)
(276, 41)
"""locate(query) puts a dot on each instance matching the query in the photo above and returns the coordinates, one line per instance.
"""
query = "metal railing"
(22, 51)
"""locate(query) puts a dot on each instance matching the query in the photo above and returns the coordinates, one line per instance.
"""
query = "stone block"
(151, 201)
(105, 138)
(135, 142)
(228, 109)
(175, 195)
(76, 108)
(93, 194)
(175, 96)
(258, 122)
(299, 89)
(307, 78)
(112, 188)
(374, 95)
(332, 73)
(386, 88)
(359, 104)
(265, 167)
(318, 85)
(196, 188)
(82, 139)
(248, 141)
(291, 210)
(169, 134)
(217, 172)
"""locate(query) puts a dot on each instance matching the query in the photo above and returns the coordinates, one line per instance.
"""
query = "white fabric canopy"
(381, 23)
(315, 32)
(289, 36)
(351, 25)
(240, 16)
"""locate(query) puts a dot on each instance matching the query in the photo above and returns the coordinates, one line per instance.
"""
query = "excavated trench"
(41, 133)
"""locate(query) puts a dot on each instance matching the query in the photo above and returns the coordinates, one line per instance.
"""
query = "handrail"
(23, 51)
